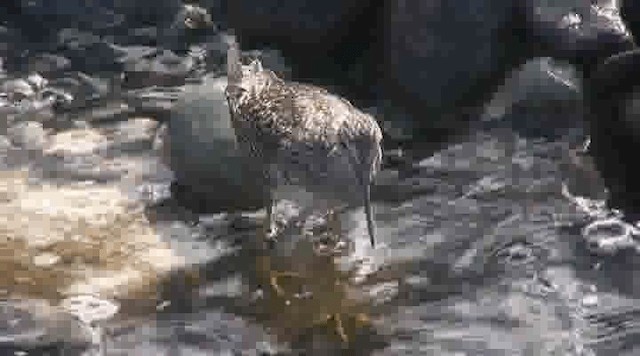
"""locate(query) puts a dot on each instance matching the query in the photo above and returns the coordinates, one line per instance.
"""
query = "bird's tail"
(362, 168)
(368, 213)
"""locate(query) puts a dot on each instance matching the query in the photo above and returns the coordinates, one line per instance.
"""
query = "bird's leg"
(333, 223)
(269, 227)
(270, 233)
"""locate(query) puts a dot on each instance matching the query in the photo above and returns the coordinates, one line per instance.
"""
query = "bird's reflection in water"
(304, 291)
(293, 287)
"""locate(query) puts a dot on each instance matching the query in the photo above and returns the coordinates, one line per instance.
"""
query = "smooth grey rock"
(87, 51)
(202, 149)
(541, 99)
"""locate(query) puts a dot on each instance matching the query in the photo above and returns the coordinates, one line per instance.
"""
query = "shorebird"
(307, 142)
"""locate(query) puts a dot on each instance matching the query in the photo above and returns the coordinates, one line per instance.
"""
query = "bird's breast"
(323, 174)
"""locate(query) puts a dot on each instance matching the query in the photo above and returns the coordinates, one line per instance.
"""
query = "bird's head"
(251, 78)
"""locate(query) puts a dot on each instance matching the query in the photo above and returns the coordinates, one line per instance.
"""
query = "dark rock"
(48, 64)
(630, 12)
(442, 60)
(140, 12)
(541, 99)
(9, 40)
(582, 33)
(87, 51)
(310, 32)
(308, 24)
(613, 117)
(550, 119)
(39, 17)
(142, 36)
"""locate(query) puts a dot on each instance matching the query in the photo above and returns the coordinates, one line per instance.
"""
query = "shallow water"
(481, 250)
(482, 255)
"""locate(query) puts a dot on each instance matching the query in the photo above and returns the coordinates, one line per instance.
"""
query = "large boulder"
(614, 125)
(443, 59)
(630, 12)
(323, 38)
(202, 152)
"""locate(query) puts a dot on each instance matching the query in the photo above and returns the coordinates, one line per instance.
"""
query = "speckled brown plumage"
(304, 137)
